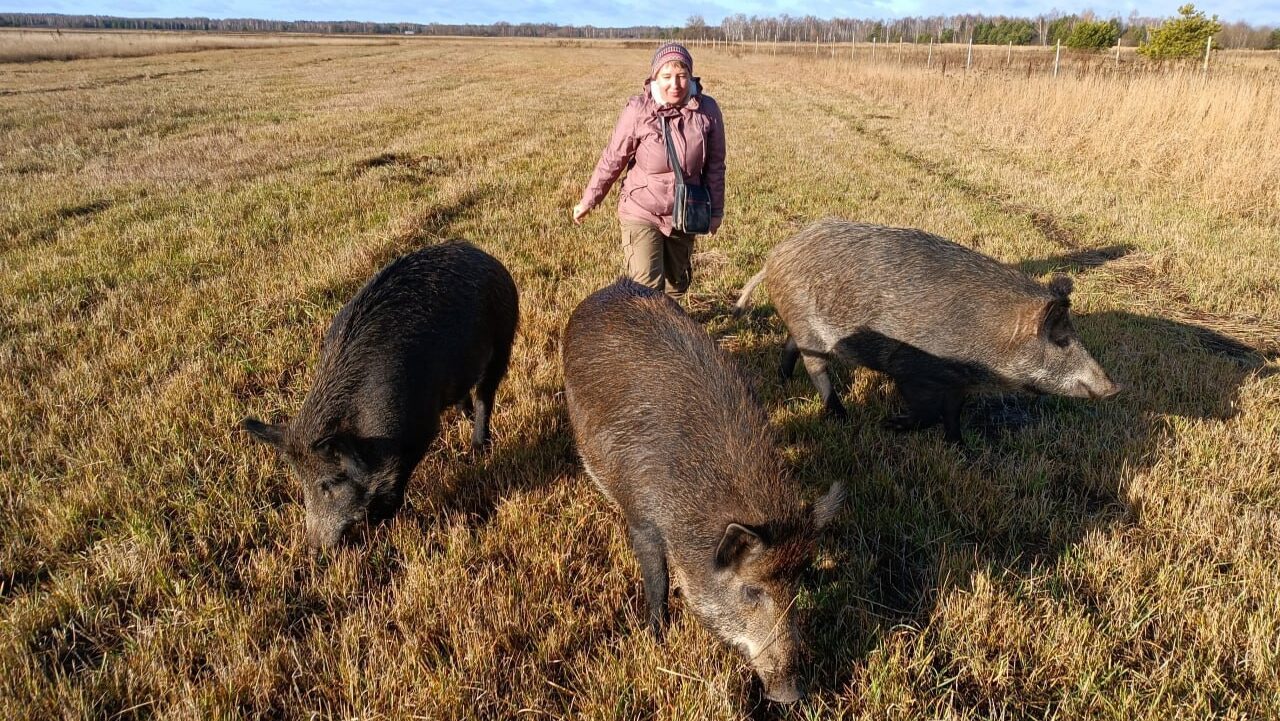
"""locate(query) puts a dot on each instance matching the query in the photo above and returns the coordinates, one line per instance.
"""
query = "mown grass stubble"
(174, 245)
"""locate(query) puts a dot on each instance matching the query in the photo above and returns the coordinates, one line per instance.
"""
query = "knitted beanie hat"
(667, 53)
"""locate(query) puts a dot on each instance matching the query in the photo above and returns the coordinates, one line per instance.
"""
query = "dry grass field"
(177, 230)
(32, 45)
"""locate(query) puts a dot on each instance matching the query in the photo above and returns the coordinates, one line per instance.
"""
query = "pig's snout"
(782, 690)
(326, 536)
(1099, 390)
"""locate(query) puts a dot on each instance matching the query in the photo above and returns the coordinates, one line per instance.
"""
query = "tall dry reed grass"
(1205, 139)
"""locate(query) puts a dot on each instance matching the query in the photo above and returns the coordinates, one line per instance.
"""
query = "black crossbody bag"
(692, 211)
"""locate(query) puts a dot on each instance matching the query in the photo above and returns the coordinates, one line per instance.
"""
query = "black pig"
(414, 340)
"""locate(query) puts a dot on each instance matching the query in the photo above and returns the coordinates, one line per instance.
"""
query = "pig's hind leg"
(485, 391)
(790, 354)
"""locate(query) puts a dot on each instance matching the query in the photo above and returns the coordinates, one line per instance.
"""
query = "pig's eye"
(752, 594)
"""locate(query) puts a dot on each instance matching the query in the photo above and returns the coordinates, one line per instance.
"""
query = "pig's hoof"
(466, 407)
(836, 413)
(903, 423)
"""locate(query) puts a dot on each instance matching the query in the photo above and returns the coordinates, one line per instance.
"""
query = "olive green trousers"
(658, 261)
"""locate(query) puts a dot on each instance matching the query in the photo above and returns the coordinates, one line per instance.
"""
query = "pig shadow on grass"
(1036, 475)
(430, 225)
(452, 480)
(530, 451)
(1077, 261)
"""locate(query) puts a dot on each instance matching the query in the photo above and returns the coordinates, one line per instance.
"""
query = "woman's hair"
(678, 63)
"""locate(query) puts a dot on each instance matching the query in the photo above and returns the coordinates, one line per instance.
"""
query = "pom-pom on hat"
(667, 53)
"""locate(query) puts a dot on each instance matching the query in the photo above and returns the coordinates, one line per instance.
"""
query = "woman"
(657, 255)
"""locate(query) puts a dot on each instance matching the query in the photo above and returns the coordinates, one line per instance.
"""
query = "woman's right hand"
(579, 213)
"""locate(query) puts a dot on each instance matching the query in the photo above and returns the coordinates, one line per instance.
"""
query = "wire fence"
(1053, 60)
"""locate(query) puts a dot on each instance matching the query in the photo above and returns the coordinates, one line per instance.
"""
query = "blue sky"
(628, 12)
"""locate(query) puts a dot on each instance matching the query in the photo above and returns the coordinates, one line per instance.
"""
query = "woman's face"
(673, 82)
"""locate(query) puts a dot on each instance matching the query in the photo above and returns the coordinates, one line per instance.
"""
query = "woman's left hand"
(715, 224)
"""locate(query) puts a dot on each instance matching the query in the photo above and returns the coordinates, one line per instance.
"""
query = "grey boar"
(941, 319)
(670, 432)
(417, 338)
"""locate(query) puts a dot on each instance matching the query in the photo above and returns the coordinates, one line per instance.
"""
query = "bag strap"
(671, 153)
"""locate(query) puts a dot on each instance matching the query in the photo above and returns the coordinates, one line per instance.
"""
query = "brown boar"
(939, 318)
(670, 432)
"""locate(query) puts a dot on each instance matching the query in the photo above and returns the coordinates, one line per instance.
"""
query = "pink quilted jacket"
(637, 146)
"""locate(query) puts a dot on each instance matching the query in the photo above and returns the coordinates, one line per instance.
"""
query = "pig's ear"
(1028, 317)
(738, 546)
(1061, 286)
(272, 433)
(344, 448)
(1041, 318)
(828, 506)
(1055, 321)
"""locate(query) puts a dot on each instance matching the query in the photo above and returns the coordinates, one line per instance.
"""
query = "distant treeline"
(341, 27)
(1044, 29)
